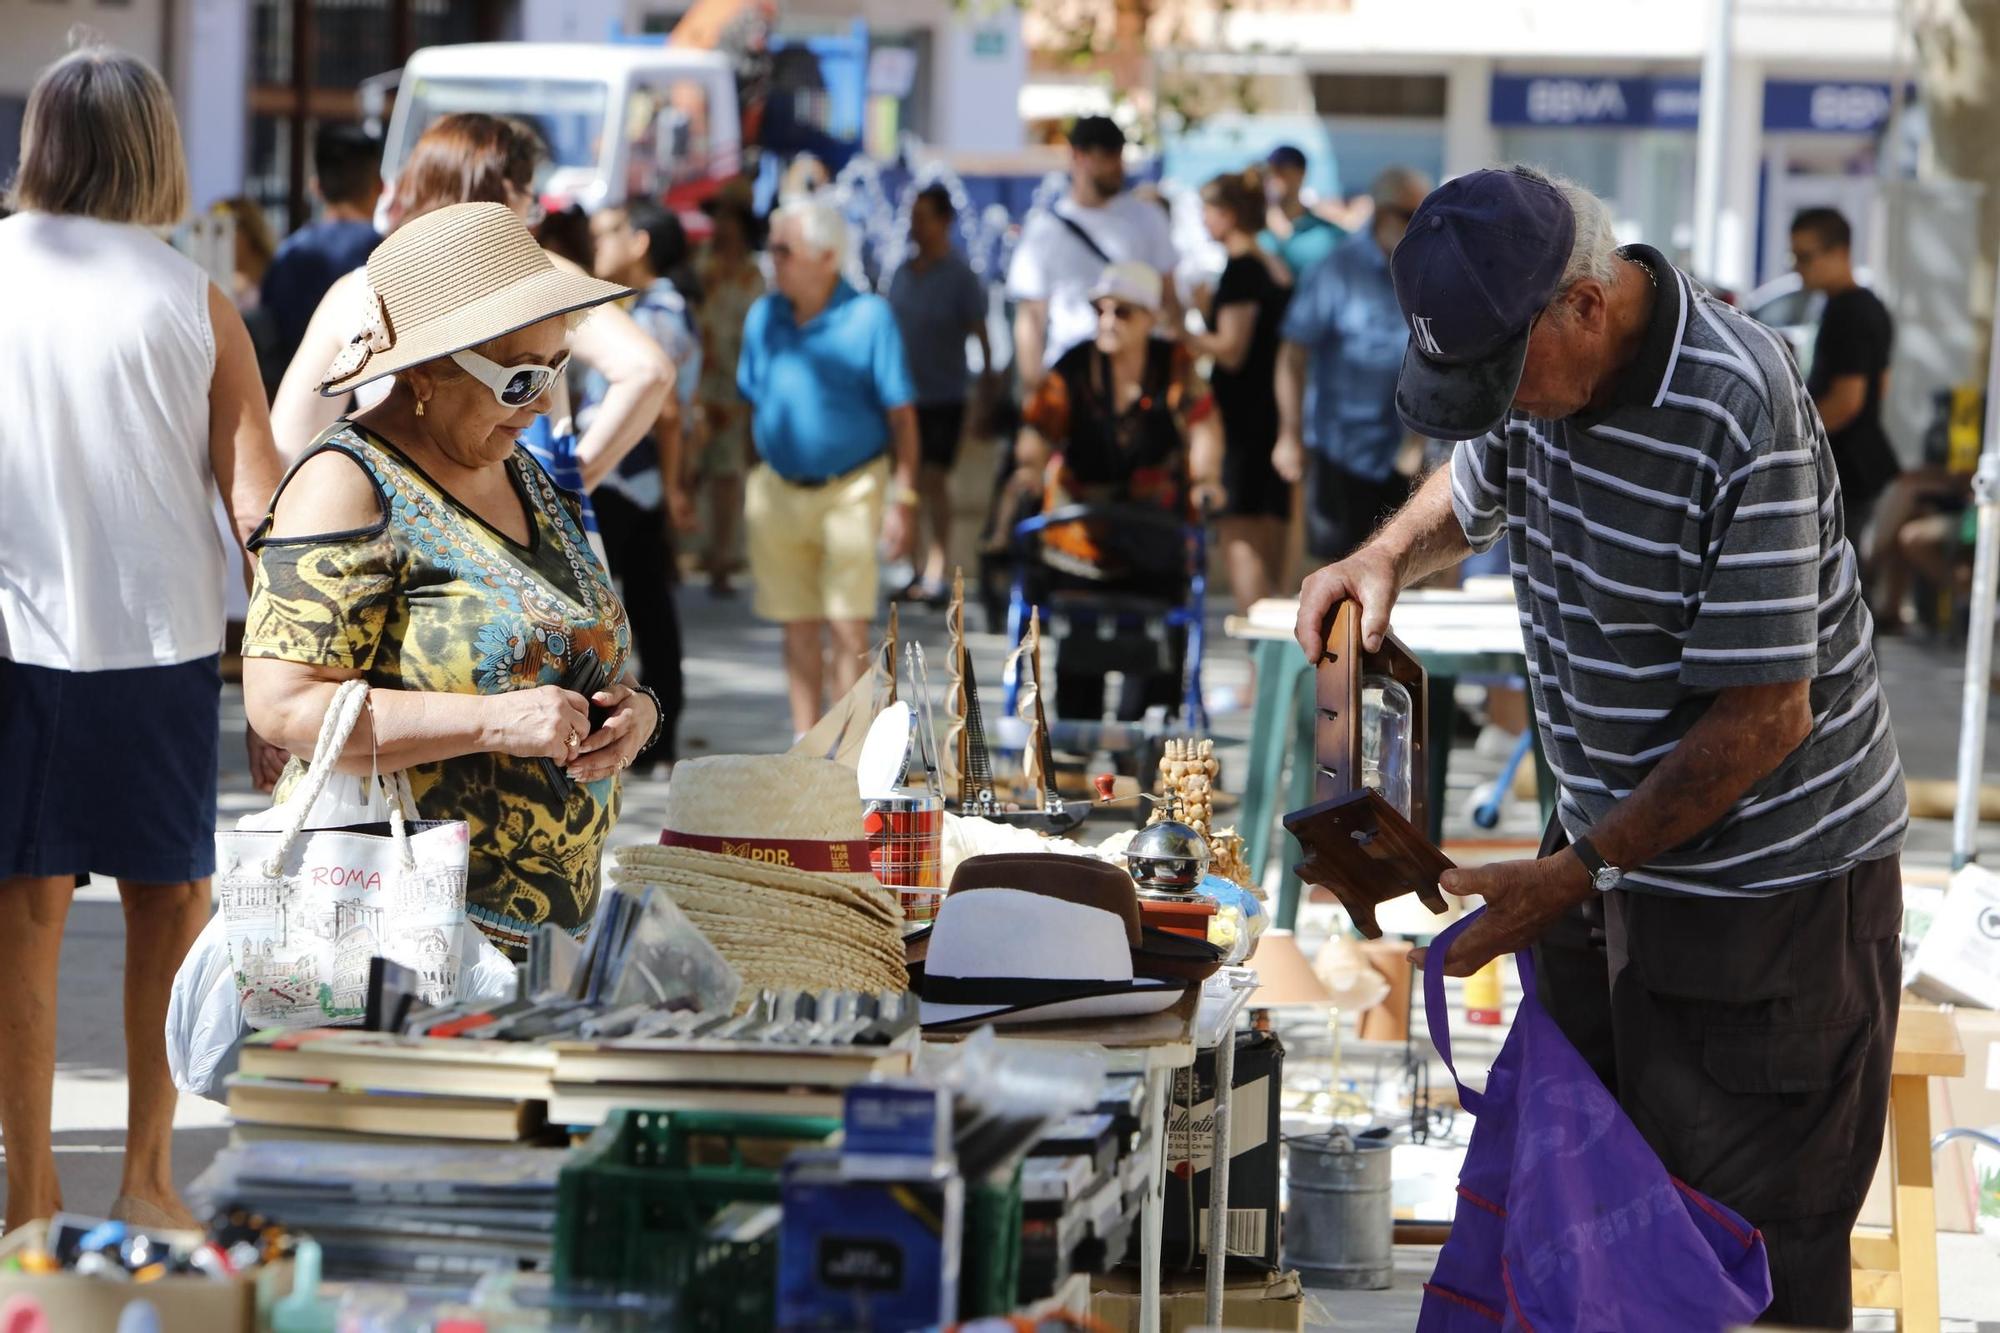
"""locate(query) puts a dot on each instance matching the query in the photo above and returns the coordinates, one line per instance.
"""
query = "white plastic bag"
(205, 1027)
(204, 1015)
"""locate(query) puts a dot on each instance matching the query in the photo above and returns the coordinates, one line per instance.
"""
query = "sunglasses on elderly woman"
(513, 386)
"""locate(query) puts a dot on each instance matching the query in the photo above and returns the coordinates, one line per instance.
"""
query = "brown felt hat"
(1089, 883)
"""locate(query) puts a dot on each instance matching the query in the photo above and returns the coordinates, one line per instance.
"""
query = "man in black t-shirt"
(1850, 364)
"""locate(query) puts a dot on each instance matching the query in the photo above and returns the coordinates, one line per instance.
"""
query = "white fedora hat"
(1017, 956)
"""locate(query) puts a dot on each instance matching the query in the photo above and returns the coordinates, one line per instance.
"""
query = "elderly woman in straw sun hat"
(419, 546)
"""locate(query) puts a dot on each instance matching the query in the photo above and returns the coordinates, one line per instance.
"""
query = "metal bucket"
(1339, 1228)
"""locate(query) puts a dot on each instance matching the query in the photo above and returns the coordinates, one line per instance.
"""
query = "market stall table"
(1898, 1269)
(1154, 1046)
(1455, 634)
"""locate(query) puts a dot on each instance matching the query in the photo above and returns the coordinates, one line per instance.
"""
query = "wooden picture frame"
(1357, 844)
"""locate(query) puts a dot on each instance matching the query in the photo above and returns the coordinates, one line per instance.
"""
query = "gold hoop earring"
(420, 407)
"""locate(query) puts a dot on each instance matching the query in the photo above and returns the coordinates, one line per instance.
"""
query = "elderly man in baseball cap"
(1716, 906)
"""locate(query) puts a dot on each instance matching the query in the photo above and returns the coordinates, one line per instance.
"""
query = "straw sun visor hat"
(766, 855)
(450, 280)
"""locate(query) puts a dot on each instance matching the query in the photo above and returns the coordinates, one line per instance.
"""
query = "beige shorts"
(812, 548)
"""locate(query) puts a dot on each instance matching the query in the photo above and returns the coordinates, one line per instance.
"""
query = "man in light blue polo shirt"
(1343, 344)
(831, 421)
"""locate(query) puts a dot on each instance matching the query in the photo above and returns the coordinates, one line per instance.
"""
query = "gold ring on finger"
(573, 740)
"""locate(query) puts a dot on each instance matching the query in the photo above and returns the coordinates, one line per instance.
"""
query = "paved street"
(735, 689)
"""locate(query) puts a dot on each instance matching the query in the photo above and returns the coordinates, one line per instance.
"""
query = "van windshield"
(569, 114)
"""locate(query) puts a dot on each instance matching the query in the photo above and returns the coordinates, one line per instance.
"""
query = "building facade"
(1605, 91)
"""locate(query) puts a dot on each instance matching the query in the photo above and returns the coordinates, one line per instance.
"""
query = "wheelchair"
(1141, 614)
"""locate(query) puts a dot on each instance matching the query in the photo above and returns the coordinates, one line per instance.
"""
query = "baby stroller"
(1135, 608)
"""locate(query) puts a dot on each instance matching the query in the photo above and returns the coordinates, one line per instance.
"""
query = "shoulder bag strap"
(343, 711)
(1078, 230)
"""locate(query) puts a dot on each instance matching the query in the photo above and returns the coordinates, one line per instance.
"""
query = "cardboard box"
(865, 1253)
(77, 1304)
(1958, 960)
(1971, 1101)
(1257, 1301)
(1253, 1158)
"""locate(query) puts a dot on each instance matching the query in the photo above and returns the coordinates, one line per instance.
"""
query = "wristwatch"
(1604, 876)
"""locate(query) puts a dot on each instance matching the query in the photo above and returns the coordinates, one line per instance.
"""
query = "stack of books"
(396, 1213)
(344, 1084)
(592, 1079)
(339, 1083)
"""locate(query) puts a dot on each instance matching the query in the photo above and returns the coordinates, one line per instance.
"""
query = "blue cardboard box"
(866, 1255)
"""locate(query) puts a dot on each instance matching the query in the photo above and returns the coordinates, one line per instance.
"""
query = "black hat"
(1285, 155)
(1099, 133)
(1483, 256)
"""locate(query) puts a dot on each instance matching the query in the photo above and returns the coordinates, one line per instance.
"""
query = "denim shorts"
(109, 772)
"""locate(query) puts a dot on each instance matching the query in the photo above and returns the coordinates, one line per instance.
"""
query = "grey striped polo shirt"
(1687, 540)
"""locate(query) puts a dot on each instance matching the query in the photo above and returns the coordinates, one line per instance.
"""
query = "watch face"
(1607, 878)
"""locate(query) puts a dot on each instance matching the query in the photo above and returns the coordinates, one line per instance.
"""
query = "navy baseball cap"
(1285, 155)
(1484, 254)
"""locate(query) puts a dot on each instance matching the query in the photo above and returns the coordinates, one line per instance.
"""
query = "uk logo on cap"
(1483, 255)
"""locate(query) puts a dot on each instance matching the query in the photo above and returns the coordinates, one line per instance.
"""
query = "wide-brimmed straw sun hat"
(765, 854)
(453, 279)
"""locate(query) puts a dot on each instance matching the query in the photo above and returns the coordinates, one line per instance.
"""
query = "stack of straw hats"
(765, 854)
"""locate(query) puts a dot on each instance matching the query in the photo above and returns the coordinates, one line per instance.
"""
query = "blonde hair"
(100, 140)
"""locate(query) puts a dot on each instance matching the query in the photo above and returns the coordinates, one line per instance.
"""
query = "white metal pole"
(1712, 140)
(1979, 640)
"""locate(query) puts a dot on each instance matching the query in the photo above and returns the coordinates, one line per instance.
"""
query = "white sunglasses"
(512, 386)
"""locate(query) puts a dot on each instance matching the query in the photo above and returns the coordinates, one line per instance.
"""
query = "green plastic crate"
(990, 1269)
(631, 1207)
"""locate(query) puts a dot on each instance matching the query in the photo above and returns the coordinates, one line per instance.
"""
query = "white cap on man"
(1130, 282)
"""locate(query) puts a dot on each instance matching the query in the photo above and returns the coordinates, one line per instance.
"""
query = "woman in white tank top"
(134, 399)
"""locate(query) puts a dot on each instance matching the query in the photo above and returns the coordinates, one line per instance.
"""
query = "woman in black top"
(1243, 317)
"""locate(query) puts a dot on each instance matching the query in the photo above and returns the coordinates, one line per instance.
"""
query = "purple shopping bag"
(1567, 1221)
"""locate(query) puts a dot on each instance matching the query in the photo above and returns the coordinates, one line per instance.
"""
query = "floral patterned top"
(433, 598)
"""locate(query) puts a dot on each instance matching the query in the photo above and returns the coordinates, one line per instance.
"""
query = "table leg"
(1218, 1180)
(1153, 1212)
(1305, 779)
(1443, 710)
(1264, 765)
(1916, 1203)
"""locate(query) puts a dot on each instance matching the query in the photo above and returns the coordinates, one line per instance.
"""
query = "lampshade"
(1284, 977)
(1350, 977)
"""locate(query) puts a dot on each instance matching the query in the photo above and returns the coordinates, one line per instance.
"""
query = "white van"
(620, 121)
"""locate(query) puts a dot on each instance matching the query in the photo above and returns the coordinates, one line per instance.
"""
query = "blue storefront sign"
(1792, 106)
(1581, 100)
(1674, 103)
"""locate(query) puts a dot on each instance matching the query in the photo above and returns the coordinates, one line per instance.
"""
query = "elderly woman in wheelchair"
(1124, 443)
